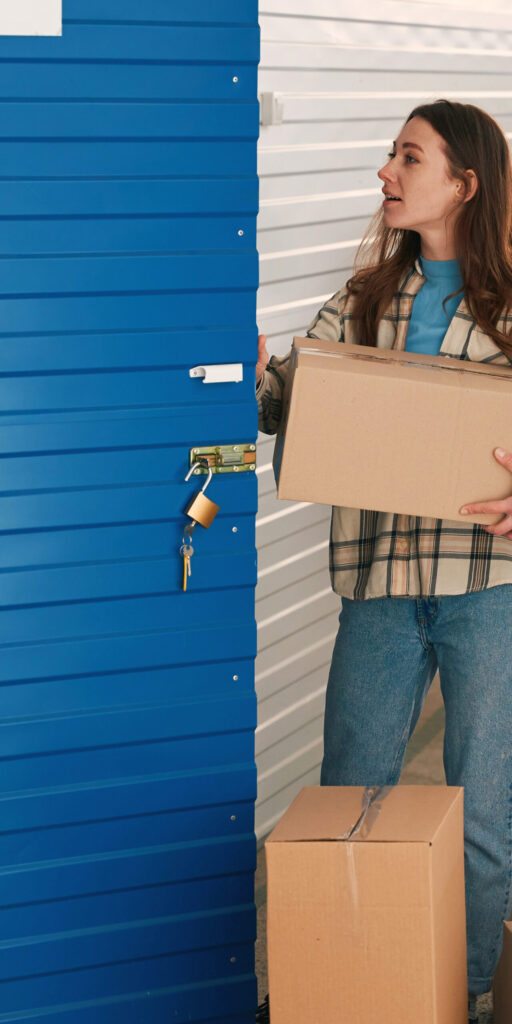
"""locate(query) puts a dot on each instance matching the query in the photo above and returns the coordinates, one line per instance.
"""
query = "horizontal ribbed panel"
(108, 41)
(128, 201)
(121, 159)
(225, 11)
(125, 274)
(162, 82)
(139, 311)
(127, 120)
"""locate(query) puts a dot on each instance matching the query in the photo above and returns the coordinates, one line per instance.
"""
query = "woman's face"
(417, 173)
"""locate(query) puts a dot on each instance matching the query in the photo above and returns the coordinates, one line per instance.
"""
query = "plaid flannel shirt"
(380, 554)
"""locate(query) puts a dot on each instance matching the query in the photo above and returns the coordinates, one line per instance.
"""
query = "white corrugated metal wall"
(346, 77)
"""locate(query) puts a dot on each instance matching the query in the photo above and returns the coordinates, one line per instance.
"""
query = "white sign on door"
(30, 17)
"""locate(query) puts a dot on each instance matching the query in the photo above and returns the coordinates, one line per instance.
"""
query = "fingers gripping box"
(366, 907)
(393, 431)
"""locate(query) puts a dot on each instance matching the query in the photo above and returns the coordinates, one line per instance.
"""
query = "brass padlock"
(200, 508)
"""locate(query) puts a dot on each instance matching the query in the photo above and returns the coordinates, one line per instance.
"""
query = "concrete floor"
(423, 766)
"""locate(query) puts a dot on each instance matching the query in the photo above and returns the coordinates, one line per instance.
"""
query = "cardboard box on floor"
(393, 431)
(502, 985)
(366, 913)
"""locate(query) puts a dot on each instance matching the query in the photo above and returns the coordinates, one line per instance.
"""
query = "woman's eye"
(407, 157)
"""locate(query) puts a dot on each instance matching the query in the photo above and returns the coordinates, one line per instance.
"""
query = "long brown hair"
(483, 231)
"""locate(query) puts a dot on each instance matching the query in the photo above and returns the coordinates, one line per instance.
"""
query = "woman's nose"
(384, 173)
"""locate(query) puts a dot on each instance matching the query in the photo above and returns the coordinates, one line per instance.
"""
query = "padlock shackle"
(201, 462)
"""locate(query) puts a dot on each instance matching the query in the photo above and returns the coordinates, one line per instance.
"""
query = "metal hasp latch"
(224, 458)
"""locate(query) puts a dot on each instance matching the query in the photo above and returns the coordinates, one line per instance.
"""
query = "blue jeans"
(385, 657)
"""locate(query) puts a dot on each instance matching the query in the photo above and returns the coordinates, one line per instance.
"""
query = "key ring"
(187, 533)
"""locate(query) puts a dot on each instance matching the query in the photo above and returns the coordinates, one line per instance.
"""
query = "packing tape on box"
(373, 798)
(452, 362)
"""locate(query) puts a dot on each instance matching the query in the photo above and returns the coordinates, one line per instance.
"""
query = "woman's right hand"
(263, 356)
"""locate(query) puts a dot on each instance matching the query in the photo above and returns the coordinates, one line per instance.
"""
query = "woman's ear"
(468, 190)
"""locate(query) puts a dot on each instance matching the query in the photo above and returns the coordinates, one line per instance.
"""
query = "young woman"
(433, 274)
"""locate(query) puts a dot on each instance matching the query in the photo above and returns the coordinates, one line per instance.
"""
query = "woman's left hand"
(504, 527)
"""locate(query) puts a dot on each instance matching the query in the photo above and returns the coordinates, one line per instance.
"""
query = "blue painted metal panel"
(97, 275)
(127, 350)
(124, 82)
(136, 312)
(243, 12)
(138, 233)
(27, 158)
(128, 201)
(163, 82)
(140, 41)
(128, 120)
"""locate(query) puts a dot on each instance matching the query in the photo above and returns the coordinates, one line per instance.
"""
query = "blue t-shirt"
(429, 322)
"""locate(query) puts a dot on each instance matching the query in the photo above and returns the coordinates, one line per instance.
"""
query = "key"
(186, 551)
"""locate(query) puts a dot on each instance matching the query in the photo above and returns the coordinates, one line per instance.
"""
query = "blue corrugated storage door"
(128, 200)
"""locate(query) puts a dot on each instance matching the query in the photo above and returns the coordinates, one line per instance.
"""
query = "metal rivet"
(236, 448)
(232, 960)
(235, 469)
(234, 529)
(235, 678)
(195, 451)
(233, 817)
(252, 447)
(240, 232)
(252, 466)
(235, 78)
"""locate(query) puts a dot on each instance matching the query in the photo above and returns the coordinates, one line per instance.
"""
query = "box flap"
(398, 814)
(402, 357)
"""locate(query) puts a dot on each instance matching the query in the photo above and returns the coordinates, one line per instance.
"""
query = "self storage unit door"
(128, 204)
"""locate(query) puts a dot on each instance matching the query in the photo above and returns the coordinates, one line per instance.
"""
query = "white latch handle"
(271, 108)
(218, 373)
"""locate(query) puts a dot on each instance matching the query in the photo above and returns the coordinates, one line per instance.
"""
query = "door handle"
(218, 373)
